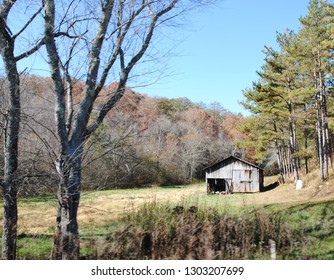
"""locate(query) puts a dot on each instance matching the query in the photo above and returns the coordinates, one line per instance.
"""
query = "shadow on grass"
(34, 236)
(172, 187)
(270, 187)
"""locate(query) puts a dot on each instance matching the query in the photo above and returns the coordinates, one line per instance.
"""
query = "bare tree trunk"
(324, 149)
(279, 157)
(292, 146)
(9, 235)
(66, 239)
(323, 123)
(12, 127)
(73, 129)
(280, 163)
(324, 140)
(320, 144)
(306, 132)
(286, 161)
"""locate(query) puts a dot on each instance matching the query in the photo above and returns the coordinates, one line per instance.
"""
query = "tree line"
(143, 141)
(291, 104)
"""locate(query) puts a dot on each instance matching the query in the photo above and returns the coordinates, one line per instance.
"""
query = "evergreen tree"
(316, 59)
(290, 102)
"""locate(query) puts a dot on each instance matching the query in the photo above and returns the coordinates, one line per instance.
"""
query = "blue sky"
(218, 51)
(223, 50)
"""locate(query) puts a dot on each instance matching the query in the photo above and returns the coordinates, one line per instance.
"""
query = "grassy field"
(308, 213)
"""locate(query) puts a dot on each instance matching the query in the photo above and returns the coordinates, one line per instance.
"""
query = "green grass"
(316, 222)
(34, 247)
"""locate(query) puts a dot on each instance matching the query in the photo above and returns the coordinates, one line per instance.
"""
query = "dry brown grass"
(96, 208)
(36, 218)
(313, 191)
(103, 207)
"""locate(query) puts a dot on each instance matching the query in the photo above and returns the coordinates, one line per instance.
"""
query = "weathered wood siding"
(244, 177)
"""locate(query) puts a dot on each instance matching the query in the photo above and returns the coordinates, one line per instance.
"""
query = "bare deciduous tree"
(12, 121)
(115, 35)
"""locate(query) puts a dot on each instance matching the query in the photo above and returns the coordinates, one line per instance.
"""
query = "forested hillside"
(143, 140)
(82, 126)
(292, 102)
(157, 141)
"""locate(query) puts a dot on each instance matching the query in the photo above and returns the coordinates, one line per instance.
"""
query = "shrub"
(159, 231)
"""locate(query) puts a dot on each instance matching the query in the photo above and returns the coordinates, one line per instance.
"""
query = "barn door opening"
(242, 180)
(218, 186)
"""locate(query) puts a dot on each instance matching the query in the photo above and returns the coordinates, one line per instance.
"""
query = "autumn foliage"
(143, 141)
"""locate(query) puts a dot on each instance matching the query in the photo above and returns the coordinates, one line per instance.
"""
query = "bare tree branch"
(28, 23)
(31, 51)
(121, 85)
(94, 63)
(120, 39)
(54, 62)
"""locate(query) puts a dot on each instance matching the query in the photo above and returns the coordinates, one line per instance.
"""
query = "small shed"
(233, 175)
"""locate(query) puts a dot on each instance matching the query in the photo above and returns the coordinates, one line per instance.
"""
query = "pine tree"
(292, 94)
(316, 60)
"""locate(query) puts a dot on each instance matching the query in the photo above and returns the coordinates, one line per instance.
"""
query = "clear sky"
(223, 51)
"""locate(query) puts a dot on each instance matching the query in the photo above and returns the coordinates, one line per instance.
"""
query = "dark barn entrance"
(218, 186)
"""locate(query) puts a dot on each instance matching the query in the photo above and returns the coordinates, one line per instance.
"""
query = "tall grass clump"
(165, 231)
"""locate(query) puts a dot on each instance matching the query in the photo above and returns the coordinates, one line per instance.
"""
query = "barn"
(233, 175)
